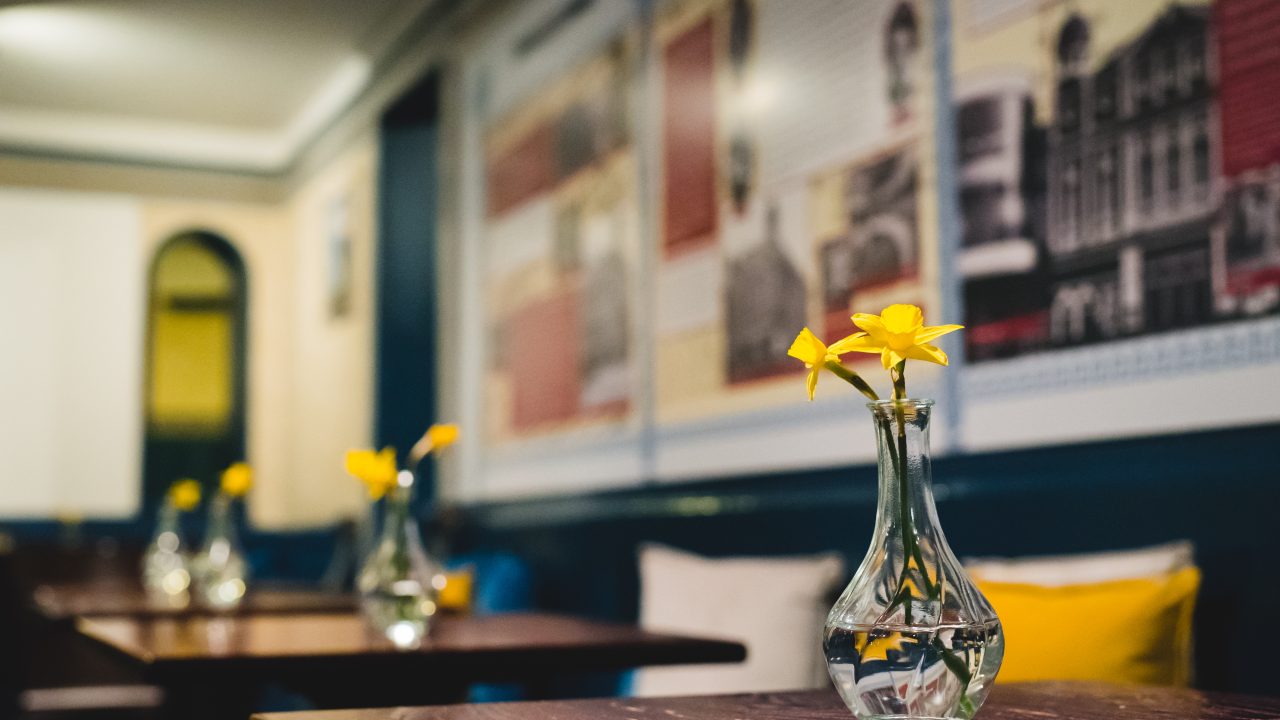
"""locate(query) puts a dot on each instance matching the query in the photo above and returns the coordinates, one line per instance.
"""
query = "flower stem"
(957, 668)
(910, 541)
(851, 377)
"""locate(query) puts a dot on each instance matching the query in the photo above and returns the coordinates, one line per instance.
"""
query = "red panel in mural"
(543, 356)
(688, 128)
(525, 170)
(1249, 52)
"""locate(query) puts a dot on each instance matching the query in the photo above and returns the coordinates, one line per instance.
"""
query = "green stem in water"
(910, 542)
(852, 378)
(961, 671)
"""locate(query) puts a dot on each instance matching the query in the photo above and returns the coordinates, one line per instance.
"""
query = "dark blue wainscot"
(1219, 489)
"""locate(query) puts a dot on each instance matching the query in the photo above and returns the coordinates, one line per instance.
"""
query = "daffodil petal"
(811, 381)
(808, 348)
(928, 353)
(442, 435)
(872, 326)
(357, 462)
(858, 342)
(901, 319)
(185, 494)
(927, 334)
(237, 479)
(889, 357)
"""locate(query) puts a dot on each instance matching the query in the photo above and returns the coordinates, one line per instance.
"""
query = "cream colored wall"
(332, 378)
(309, 376)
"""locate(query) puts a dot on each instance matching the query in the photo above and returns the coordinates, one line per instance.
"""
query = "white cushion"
(775, 606)
(1060, 570)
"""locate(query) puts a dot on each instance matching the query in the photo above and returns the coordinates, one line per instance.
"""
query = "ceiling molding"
(89, 137)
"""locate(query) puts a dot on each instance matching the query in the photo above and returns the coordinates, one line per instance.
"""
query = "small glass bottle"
(398, 582)
(166, 572)
(219, 569)
(911, 637)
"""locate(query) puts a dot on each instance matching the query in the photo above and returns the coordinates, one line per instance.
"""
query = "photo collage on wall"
(562, 227)
(1118, 168)
(790, 172)
(664, 207)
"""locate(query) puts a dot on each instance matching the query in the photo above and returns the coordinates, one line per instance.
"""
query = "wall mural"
(561, 230)
(1117, 182)
(670, 189)
(802, 198)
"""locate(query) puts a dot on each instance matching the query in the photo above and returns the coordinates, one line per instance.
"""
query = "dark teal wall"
(406, 276)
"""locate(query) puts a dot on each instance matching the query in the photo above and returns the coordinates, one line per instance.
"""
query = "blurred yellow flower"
(442, 436)
(898, 333)
(870, 648)
(237, 479)
(377, 470)
(185, 494)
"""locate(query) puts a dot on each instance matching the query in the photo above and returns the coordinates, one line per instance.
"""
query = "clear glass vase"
(219, 570)
(399, 582)
(166, 568)
(911, 636)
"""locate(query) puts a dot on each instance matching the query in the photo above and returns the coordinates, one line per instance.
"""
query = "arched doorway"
(195, 361)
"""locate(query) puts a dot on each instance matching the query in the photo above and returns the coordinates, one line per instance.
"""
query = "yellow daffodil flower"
(898, 333)
(815, 355)
(436, 438)
(870, 648)
(377, 470)
(237, 479)
(442, 436)
(185, 494)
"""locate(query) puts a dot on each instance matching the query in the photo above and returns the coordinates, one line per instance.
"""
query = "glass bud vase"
(398, 582)
(219, 569)
(911, 636)
(166, 571)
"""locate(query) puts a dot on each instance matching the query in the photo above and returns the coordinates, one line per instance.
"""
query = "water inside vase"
(220, 572)
(887, 672)
(401, 610)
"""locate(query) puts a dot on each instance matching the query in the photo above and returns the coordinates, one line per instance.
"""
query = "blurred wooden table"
(337, 660)
(94, 599)
(1019, 701)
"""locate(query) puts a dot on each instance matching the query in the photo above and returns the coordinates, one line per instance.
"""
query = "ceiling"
(234, 84)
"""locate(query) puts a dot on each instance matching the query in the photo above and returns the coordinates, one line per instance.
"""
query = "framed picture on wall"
(338, 239)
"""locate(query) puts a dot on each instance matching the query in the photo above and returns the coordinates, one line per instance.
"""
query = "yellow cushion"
(1135, 631)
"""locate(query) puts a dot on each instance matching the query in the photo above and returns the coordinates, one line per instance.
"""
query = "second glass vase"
(399, 582)
(219, 570)
(166, 573)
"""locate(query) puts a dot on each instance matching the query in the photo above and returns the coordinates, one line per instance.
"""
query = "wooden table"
(336, 660)
(95, 599)
(1017, 701)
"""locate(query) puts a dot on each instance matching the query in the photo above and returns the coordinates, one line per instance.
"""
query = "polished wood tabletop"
(99, 598)
(520, 637)
(201, 660)
(1016, 701)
